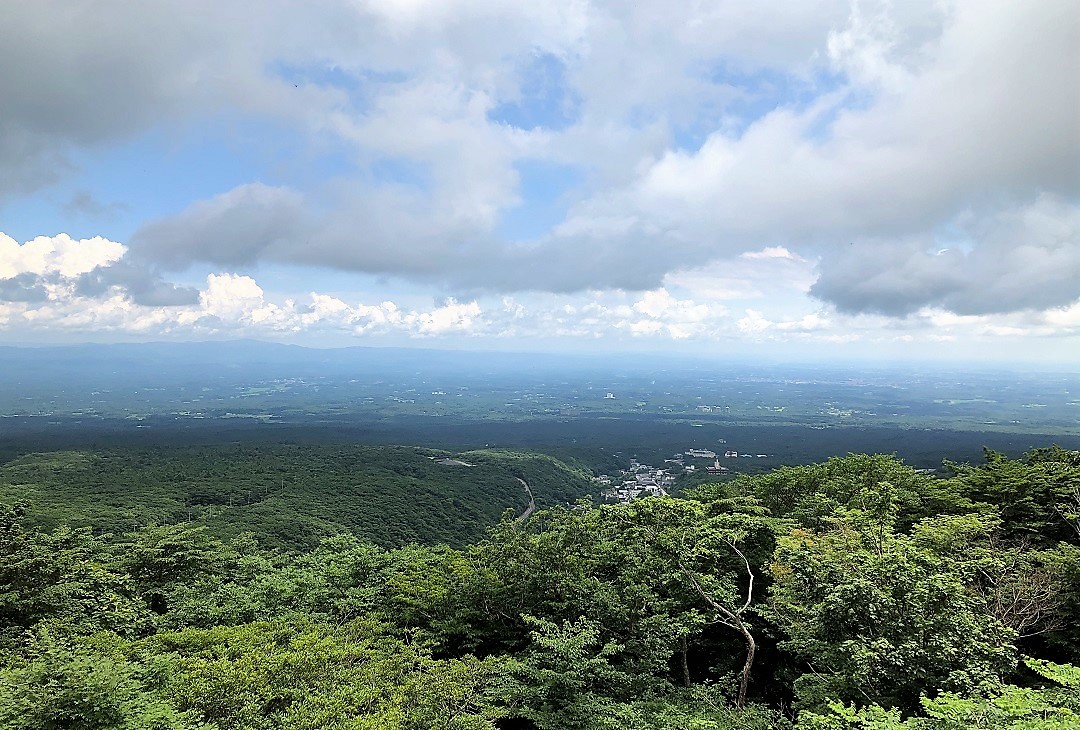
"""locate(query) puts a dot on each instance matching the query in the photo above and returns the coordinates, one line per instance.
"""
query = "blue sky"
(844, 179)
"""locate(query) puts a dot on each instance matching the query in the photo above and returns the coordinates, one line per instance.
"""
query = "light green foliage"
(1005, 708)
(705, 707)
(877, 616)
(355, 676)
(61, 685)
(565, 678)
(59, 578)
(810, 494)
(875, 596)
(1064, 674)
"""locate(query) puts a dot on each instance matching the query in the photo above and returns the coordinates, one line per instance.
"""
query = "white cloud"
(933, 112)
(229, 295)
(660, 304)
(58, 254)
(773, 274)
(1027, 258)
(237, 305)
(754, 323)
(770, 252)
(807, 323)
(975, 123)
(1064, 317)
(453, 316)
(646, 327)
(914, 164)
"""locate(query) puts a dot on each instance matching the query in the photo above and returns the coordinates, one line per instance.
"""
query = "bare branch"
(731, 619)
(749, 572)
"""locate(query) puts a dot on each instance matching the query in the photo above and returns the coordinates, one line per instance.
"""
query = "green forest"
(289, 495)
(854, 593)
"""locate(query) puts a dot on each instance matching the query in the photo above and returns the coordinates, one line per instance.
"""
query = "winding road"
(532, 502)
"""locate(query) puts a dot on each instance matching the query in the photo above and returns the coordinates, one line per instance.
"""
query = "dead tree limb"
(732, 618)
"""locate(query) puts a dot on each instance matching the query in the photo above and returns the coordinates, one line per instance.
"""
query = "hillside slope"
(288, 495)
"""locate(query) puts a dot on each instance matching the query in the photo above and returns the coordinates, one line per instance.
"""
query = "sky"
(806, 178)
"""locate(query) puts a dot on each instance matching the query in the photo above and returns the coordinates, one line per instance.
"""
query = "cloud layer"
(88, 288)
(633, 167)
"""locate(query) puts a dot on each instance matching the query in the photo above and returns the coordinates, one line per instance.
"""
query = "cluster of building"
(715, 467)
(640, 480)
(698, 454)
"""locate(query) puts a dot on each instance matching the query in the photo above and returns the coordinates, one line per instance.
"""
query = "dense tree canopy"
(857, 593)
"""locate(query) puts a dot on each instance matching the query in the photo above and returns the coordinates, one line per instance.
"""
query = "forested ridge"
(289, 495)
(856, 593)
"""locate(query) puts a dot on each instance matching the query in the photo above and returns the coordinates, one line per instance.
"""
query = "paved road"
(532, 502)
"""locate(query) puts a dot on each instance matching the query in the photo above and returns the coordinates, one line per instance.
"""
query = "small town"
(640, 480)
(644, 480)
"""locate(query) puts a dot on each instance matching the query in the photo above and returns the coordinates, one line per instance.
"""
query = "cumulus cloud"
(923, 156)
(48, 266)
(388, 230)
(451, 316)
(754, 323)
(141, 285)
(91, 73)
(232, 302)
(655, 313)
(236, 305)
(233, 297)
(769, 253)
(773, 274)
(61, 284)
(56, 255)
(942, 115)
(973, 124)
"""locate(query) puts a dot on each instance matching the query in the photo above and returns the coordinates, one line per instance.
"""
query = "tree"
(880, 617)
(1005, 708)
(1036, 497)
(305, 675)
(732, 616)
(62, 578)
(811, 493)
(1022, 588)
(161, 557)
(71, 685)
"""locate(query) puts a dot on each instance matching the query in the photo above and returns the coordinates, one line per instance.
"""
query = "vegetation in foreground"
(858, 593)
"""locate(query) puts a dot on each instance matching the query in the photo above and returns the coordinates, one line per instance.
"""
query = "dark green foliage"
(291, 496)
(866, 593)
(1037, 497)
(59, 578)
